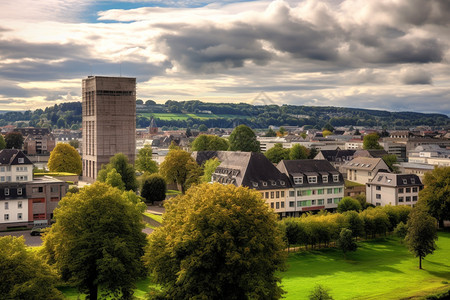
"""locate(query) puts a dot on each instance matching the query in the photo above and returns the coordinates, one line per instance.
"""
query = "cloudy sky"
(385, 54)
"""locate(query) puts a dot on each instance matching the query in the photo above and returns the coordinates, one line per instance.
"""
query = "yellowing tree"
(181, 168)
(65, 158)
(217, 242)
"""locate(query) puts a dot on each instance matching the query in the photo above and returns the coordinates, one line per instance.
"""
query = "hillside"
(193, 113)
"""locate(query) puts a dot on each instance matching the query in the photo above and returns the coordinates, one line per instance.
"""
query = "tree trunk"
(93, 292)
(420, 262)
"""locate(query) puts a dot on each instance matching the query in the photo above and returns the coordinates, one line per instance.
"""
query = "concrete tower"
(109, 121)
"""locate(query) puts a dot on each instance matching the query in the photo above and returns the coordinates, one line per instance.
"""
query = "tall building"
(109, 121)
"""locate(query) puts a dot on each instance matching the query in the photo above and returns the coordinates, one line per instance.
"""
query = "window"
(21, 160)
(312, 179)
(2, 178)
(336, 178)
(267, 195)
(400, 190)
(6, 192)
(282, 182)
(272, 195)
(313, 202)
(330, 201)
(378, 188)
(271, 205)
(320, 192)
(414, 189)
(378, 196)
(282, 194)
(2, 169)
(400, 199)
(19, 191)
(39, 189)
(414, 198)
(282, 204)
(19, 216)
(299, 203)
(291, 203)
(264, 183)
(6, 205)
(21, 169)
(320, 201)
(19, 204)
(324, 178)
(336, 190)
(408, 190)
(408, 199)
(378, 204)
(6, 217)
(329, 191)
(278, 205)
(278, 194)
(21, 178)
(298, 180)
(413, 181)
(8, 178)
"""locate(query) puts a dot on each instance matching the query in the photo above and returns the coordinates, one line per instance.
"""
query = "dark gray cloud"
(417, 76)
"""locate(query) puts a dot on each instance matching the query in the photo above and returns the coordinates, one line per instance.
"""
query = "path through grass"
(379, 269)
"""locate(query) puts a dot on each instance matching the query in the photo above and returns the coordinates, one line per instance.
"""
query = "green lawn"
(379, 269)
(157, 218)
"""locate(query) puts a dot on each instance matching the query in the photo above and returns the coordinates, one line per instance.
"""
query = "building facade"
(109, 121)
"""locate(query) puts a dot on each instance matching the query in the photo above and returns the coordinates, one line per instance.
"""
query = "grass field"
(379, 269)
(181, 116)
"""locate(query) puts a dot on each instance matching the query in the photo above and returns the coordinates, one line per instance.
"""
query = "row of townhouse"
(290, 189)
(24, 200)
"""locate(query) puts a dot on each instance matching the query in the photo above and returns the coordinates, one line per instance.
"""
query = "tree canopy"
(24, 274)
(205, 142)
(114, 179)
(179, 167)
(345, 241)
(435, 197)
(370, 141)
(217, 242)
(421, 234)
(144, 161)
(348, 203)
(125, 169)
(2, 142)
(298, 152)
(97, 240)
(14, 140)
(277, 153)
(154, 188)
(65, 158)
(208, 169)
(243, 139)
(390, 160)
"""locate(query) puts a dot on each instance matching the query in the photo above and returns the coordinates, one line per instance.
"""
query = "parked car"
(38, 230)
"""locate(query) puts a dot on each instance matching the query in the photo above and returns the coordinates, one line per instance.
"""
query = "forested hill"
(193, 113)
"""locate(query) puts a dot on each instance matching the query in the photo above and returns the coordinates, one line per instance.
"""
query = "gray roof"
(396, 180)
(364, 163)
(11, 157)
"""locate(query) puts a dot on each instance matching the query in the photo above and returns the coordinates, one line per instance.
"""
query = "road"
(29, 240)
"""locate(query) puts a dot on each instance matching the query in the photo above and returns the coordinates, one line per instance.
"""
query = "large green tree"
(114, 179)
(345, 241)
(348, 203)
(24, 274)
(243, 139)
(14, 140)
(298, 152)
(179, 167)
(435, 197)
(125, 169)
(144, 161)
(217, 242)
(65, 158)
(97, 240)
(422, 234)
(277, 153)
(370, 141)
(206, 142)
(154, 188)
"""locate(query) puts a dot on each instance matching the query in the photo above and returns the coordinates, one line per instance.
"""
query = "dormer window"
(324, 178)
(264, 183)
(21, 160)
(413, 181)
(282, 182)
(336, 178)
(298, 180)
(405, 181)
(273, 182)
(255, 184)
(312, 179)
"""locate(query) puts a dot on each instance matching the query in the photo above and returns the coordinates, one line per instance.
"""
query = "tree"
(435, 197)
(277, 153)
(97, 240)
(326, 133)
(61, 123)
(65, 158)
(179, 167)
(422, 234)
(348, 203)
(202, 128)
(144, 161)
(208, 168)
(401, 230)
(312, 153)
(319, 293)
(224, 245)
(74, 143)
(270, 133)
(357, 132)
(328, 127)
(293, 231)
(243, 139)
(370, 141)
(154, 188)
(24, 274)
(281, 132)
(362, 200)
(345, 241)
(208, 142)
(188, 132)
(298, 152)
(14, 140)
(2, 142)
(354, 222)
(114, 179)
(391, 160)
(126, 171)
